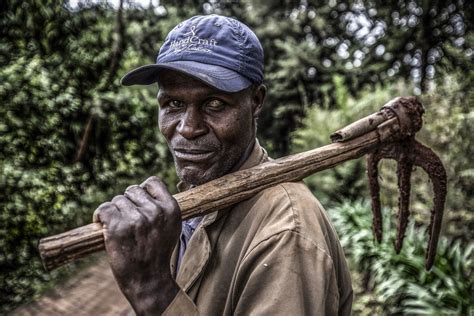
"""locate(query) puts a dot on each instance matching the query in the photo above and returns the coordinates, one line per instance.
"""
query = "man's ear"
(259, 95)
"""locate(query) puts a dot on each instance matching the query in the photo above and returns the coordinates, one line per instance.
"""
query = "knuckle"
(148, 185)
(104, 205)
(120, 200)
(150, 180)
(154, 179)
(132, 188)
(172, 208)
(170, 205)
(104, 208)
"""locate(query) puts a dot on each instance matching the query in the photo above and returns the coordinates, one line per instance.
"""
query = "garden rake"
(388, 133)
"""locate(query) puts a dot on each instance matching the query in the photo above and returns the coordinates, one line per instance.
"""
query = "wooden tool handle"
(232, 188)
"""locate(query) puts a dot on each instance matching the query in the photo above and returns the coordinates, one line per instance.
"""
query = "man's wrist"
(153, 299)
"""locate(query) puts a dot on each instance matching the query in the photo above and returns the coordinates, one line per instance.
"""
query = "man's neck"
(244, 156)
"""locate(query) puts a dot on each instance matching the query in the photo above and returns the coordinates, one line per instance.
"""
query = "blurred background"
(71, 137)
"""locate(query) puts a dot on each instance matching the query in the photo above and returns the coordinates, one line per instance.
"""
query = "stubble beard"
(194, 174)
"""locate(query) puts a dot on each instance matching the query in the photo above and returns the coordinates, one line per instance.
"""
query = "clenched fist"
(141, 228)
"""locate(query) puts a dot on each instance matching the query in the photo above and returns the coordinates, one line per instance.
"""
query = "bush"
(69, 137)
(399, 283)
(43, 189)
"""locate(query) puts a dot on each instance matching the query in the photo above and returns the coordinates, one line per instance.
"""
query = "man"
(275, 253)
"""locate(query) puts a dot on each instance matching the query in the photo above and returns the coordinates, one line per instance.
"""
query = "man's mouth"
(193, 155)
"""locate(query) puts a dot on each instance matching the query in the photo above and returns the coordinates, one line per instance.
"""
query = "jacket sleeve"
(181, 305)
(286, 274)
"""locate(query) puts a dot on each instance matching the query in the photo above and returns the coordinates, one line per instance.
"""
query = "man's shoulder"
(288, 207)
(292, 195)
(291, 198)
(291, 208)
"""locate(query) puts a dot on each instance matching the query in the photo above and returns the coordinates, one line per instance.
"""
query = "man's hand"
(141, 228)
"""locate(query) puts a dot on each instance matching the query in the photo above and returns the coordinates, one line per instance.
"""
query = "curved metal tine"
(374, 188)
(404, 169)
(432, 165)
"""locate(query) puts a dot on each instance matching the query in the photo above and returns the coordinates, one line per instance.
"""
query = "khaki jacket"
(274, 254)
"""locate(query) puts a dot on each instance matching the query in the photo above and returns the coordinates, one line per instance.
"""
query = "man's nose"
(192, 124)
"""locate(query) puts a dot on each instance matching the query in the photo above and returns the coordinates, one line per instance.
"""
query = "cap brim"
(216, 76)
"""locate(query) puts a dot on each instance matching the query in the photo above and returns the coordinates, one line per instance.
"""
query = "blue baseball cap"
(220, 51)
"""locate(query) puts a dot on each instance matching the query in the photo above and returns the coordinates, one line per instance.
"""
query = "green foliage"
(449, 126)
(69, 137)
(399, 283)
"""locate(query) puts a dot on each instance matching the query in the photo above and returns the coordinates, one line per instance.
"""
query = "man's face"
(208, 131)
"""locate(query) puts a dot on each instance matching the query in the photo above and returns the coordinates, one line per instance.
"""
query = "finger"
(122, 203)
(146, 205)
(95, 216)
(138, 196)
(159, 192)
(128, 209)
(104, 213)
(156, 188)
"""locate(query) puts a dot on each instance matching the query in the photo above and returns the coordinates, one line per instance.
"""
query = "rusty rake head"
(408, 153)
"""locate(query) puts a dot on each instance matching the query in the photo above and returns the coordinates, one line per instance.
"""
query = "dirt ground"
(92, 291)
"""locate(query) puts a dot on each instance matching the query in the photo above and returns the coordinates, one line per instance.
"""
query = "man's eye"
(215, 105)
(175, 104)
